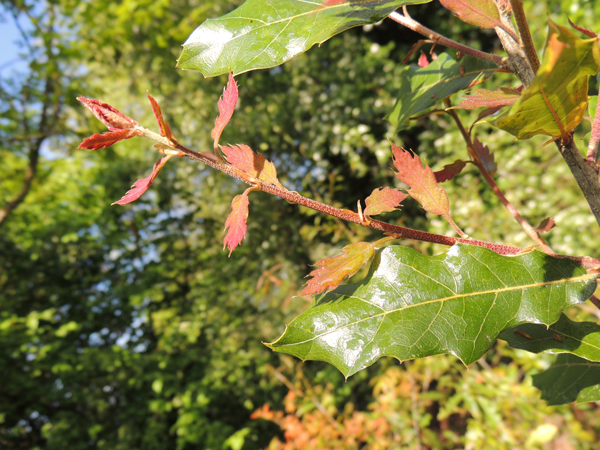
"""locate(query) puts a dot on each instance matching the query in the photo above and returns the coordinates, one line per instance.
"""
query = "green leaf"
(423, 87)
(563, 75)
(569, 379)
(265, 33)
(565, 336)
(411, 305)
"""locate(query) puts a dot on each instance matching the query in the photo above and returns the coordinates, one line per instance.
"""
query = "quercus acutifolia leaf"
(383, 200)
(236, 221)
(422, 182)
(108, 115)
(486, 158)
(490, 99)
(226, 104)
(98, 141)
(449, 171)
(332, 271)
(256, 165)
(141, 186)
(165, 129)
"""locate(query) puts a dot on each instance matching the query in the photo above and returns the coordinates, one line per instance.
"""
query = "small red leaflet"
(486, 158)
(98, 141)
(226, 104)
(141, 186)
(165, 129)
(423, 61)
(449, 171)
(256, 165)
(236, 221)
(108, 115)
(490, 99)
(383, 200)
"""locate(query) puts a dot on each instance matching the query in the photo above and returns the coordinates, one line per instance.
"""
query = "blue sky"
(9, 50)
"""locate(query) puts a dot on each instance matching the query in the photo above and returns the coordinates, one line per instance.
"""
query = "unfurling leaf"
(585, 31)
(98, 141)
(412, 305)
(165, 129)
(545, 225)
(422, 182)
(141, 186)
(332, 271)
(563, 76)
(383, 200)
(449, 171)
(486, 158)
(256, 165)
(490, 99)
(226, 104)
(108, 115)
(483, 13)
(423, 61)
(236, 221)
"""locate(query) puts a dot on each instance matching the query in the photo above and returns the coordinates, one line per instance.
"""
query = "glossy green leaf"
(568, 380)
(411, 305)
(265, 33)
(568, 63)
(565, 336)
(423, 87)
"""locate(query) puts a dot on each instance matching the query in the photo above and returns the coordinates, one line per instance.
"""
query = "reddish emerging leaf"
(226, 104)
(332, 271)
(585, 31)
(333, 2)
(414, 48)
(423, 61)
(545, 225)
(383, 200)
(490, 99)
(108, 115)
(486, 158)
(483, 13)
(424, 187)
(165, 129)
(243, 158)
(236, 221)
(141, 186)
(449, 171)
(98, 141)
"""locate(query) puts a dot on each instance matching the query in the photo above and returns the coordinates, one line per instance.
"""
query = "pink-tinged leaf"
(486, 158)
(332, 271)
(383, 200)
(333, 2)
(226, 104)
(108, 115)
(256, 165)
(423, 61)
(545, 225)
(165, 129)
(423, 186)
(483, 13)
(141, 186)
(98, 141)
(585, 31)
(449, 171)
(236, 222)
(490, 99)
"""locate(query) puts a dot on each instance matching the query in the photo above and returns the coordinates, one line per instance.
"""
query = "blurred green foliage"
(130, 328)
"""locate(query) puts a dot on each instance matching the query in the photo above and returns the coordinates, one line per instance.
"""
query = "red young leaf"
(490, 99)
(165, 129)
(423, 61)
(383, 200)
(585, 31)
(414, 48)
(423, 186)
(98, 141)
(332, 271)
(486, 158)
(141, 186)
(226, 104)
(545, 225)
(236, 221)
(483, 13)
(333, 2)
(243, 158)
(108, 115)
(449, 171)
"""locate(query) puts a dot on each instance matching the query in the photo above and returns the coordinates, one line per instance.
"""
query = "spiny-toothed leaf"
(422, 87)
(449, 171)
(485, 156)
(383, 200)
(412, 305)
(423, 61)
(568, 380)
(104, 140)
(226, 104)
(585, 31)
(422, 182)
(482, 97)
(545, 225)
(243, 158)
(109, 116)
(165, 129)
(332, 271)
(236, 221)
(483, 13)
(568, 63)
(262, 34)
(141, 186)
(564, 336)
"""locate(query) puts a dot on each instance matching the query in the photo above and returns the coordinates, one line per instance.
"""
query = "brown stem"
(344, 214)
(412, 24)
(523, 27)
(592, 153)
(518, 63)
